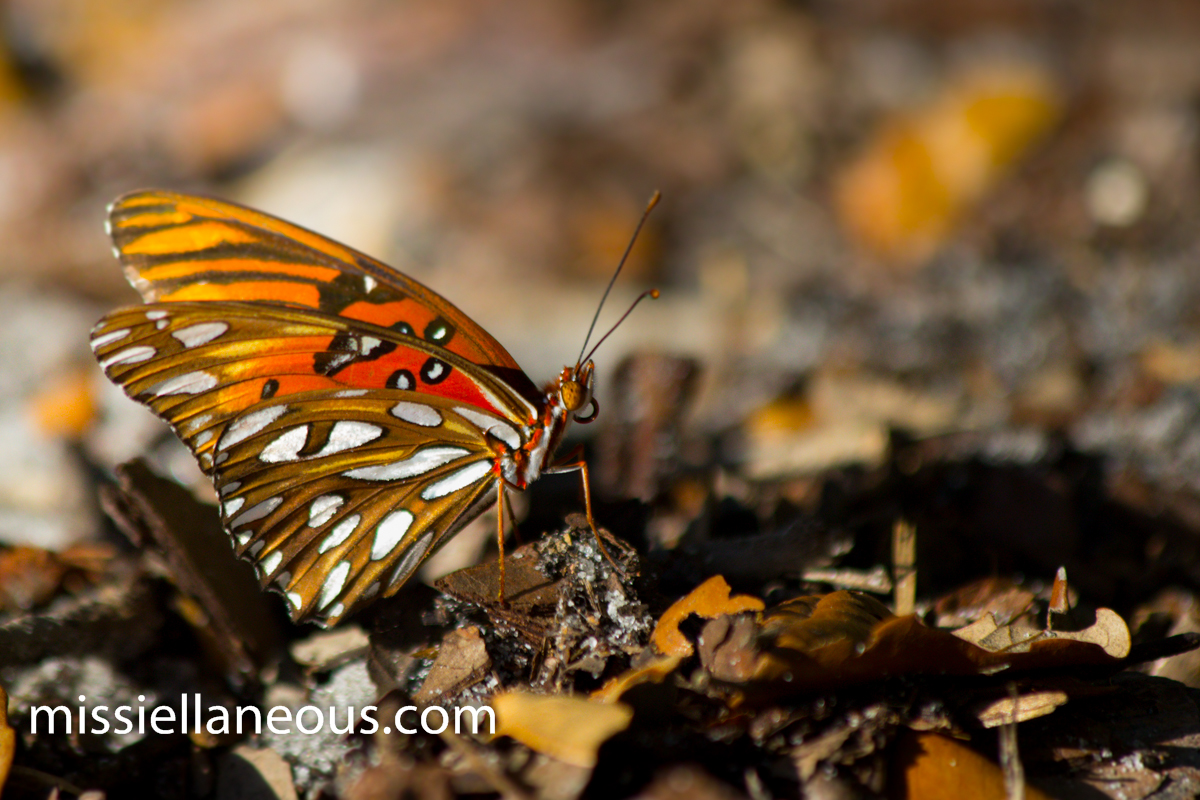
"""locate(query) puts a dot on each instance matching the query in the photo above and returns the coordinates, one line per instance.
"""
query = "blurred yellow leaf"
(922, 170)
(8, 740)
(569, 729)
(67, 405)
(935, 767)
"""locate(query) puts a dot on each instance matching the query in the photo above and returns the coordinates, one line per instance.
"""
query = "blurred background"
(939, 215)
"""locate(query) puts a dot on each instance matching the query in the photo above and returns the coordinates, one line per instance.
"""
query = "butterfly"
(351, 419)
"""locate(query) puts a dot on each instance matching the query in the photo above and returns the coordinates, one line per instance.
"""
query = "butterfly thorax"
(567, 394)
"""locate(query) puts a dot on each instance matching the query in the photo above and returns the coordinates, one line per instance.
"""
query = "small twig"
(904, 570)
(1010, 757)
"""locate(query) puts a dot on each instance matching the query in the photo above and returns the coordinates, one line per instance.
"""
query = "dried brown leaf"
(839, 639)
(1030, 705)
(461, 661)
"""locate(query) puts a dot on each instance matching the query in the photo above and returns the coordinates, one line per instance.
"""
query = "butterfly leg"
(500, 532)
(581, 467)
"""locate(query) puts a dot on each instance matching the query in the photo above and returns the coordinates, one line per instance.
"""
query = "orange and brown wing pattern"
(184, 248)
(199, 365)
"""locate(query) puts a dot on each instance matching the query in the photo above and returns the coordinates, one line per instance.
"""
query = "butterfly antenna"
(628, 249)
(651, 293)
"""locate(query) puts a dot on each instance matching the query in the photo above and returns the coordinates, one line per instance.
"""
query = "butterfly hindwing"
(184, 248)
(378, 493)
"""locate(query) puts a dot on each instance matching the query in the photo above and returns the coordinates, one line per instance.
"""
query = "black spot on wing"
(434, 371)
(402, 379)
(439, 332)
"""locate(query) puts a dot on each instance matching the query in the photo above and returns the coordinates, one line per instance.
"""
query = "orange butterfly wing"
(177, 247)
(351, 419)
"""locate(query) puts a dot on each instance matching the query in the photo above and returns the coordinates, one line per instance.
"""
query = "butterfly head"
(575, 391)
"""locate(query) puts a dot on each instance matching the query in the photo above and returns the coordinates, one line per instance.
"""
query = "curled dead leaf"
(709, 600)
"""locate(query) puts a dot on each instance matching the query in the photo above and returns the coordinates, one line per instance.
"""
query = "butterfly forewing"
(185, 248)
(199, 364)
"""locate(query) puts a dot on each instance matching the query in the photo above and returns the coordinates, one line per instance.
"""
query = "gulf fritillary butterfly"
(351, 419)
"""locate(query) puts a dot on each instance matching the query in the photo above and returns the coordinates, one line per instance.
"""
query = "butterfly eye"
(584, 420)
(574, 396)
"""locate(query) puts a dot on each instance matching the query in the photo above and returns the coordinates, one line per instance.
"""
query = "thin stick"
(904, 570)
(1010, 756)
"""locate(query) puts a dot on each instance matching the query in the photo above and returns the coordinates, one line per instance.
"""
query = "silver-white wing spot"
(231, 507)
(389, 532)
(496, 427)
(295, 599)
(459, 479)
(350, 393)
(189, 383)
(348, 434)
(156, 314)
(271, 562)
(109, 338)
(257, 511)
(249, 424)
(334, 582)
(336, 611)
(323, 508)
(420, 462)
(202, 333)
(369, 283)
(130, 355)
(243, 537)
(256, 548)
(340, 533)
(417, 414)
(192, 424)
(286, 447)
(367, 344)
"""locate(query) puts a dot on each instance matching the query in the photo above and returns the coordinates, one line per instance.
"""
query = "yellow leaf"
(652, 672)
(569, 729)
(8, 740)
